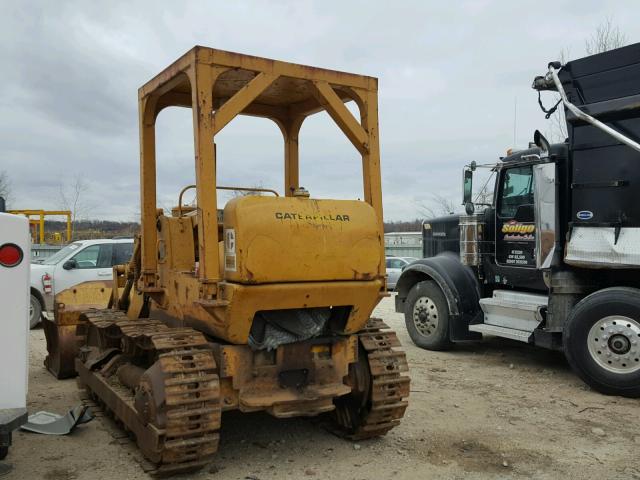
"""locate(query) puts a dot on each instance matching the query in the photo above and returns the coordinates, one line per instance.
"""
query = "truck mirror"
(467, 187)
(469, 208)
(540, 141)
(70, 264)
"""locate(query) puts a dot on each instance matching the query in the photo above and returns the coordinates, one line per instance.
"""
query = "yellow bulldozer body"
(262, 305)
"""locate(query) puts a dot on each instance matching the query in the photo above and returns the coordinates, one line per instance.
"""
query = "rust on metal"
(61, 332)
(379, 388)
(173, 405)
(171, 347)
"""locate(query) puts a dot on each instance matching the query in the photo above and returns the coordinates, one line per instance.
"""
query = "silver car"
(395, 265)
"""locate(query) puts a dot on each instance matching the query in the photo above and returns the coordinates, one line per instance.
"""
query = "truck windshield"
(60, 254)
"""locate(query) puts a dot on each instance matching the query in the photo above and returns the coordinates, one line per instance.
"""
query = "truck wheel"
(3, 452)
(602, 341)
(426, 315)
(35, 311)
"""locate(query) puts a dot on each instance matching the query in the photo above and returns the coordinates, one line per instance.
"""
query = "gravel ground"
(493, 409)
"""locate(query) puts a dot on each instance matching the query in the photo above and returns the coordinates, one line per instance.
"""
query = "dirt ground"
(493, 409)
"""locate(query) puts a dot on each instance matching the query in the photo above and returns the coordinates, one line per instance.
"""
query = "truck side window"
(517, 189)
(395, 263)
(95, 256)
(122, 253)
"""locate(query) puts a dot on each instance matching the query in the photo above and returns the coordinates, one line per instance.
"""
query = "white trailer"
(14, 324)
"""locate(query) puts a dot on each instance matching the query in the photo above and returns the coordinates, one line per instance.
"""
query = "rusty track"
(180, 433)
(377, 403)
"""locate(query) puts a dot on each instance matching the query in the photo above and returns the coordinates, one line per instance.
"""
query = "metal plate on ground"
(53, 424)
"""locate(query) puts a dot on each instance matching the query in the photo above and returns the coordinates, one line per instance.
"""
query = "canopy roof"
(290, 91)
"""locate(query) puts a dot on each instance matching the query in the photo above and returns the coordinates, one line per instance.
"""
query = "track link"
(378, 401)
(187, 435)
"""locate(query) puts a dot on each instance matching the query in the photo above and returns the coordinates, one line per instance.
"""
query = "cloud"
(449, 77)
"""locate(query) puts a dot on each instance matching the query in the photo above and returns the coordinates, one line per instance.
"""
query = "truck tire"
(35, 311)
(602, 341)
(4, 450)
(426, 315)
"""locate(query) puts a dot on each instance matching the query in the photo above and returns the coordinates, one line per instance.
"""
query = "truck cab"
(554, 260)
(516, 234)
(509, 246)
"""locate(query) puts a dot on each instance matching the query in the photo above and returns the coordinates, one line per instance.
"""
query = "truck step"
(504, 332)
(514, 310)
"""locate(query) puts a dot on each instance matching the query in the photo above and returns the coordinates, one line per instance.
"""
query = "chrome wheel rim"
(33, 312)
(614, 344)
(425, 316)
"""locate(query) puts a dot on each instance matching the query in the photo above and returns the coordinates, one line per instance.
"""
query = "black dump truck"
(554, 261)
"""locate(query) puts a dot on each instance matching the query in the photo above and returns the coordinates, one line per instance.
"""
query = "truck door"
(91, 263)
(516, 230)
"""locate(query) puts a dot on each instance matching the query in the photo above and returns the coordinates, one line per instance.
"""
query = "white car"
(78, 262)
(395, 265)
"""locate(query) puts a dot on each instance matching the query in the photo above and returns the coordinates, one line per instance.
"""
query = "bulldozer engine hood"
(268, 240)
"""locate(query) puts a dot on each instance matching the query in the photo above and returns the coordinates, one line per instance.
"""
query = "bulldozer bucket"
(61, 331)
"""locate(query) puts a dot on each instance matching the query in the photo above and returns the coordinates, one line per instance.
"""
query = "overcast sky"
(450, 75)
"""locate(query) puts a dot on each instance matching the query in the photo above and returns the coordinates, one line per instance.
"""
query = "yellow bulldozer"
(261, 306)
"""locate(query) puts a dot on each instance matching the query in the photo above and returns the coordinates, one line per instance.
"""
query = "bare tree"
(72, 198)
(558, 125)
(248, 193)
(5, 186)
(485, 195)
(403, 226)
(606, 37)
(437, 206)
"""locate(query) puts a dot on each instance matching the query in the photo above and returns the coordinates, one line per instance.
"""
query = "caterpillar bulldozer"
(263, 305)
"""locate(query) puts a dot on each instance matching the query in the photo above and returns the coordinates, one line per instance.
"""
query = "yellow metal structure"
(220, 85)
(61, 333)
(264, 305)
(37, 223)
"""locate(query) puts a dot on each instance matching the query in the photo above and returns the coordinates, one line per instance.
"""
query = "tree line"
(88, 229)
